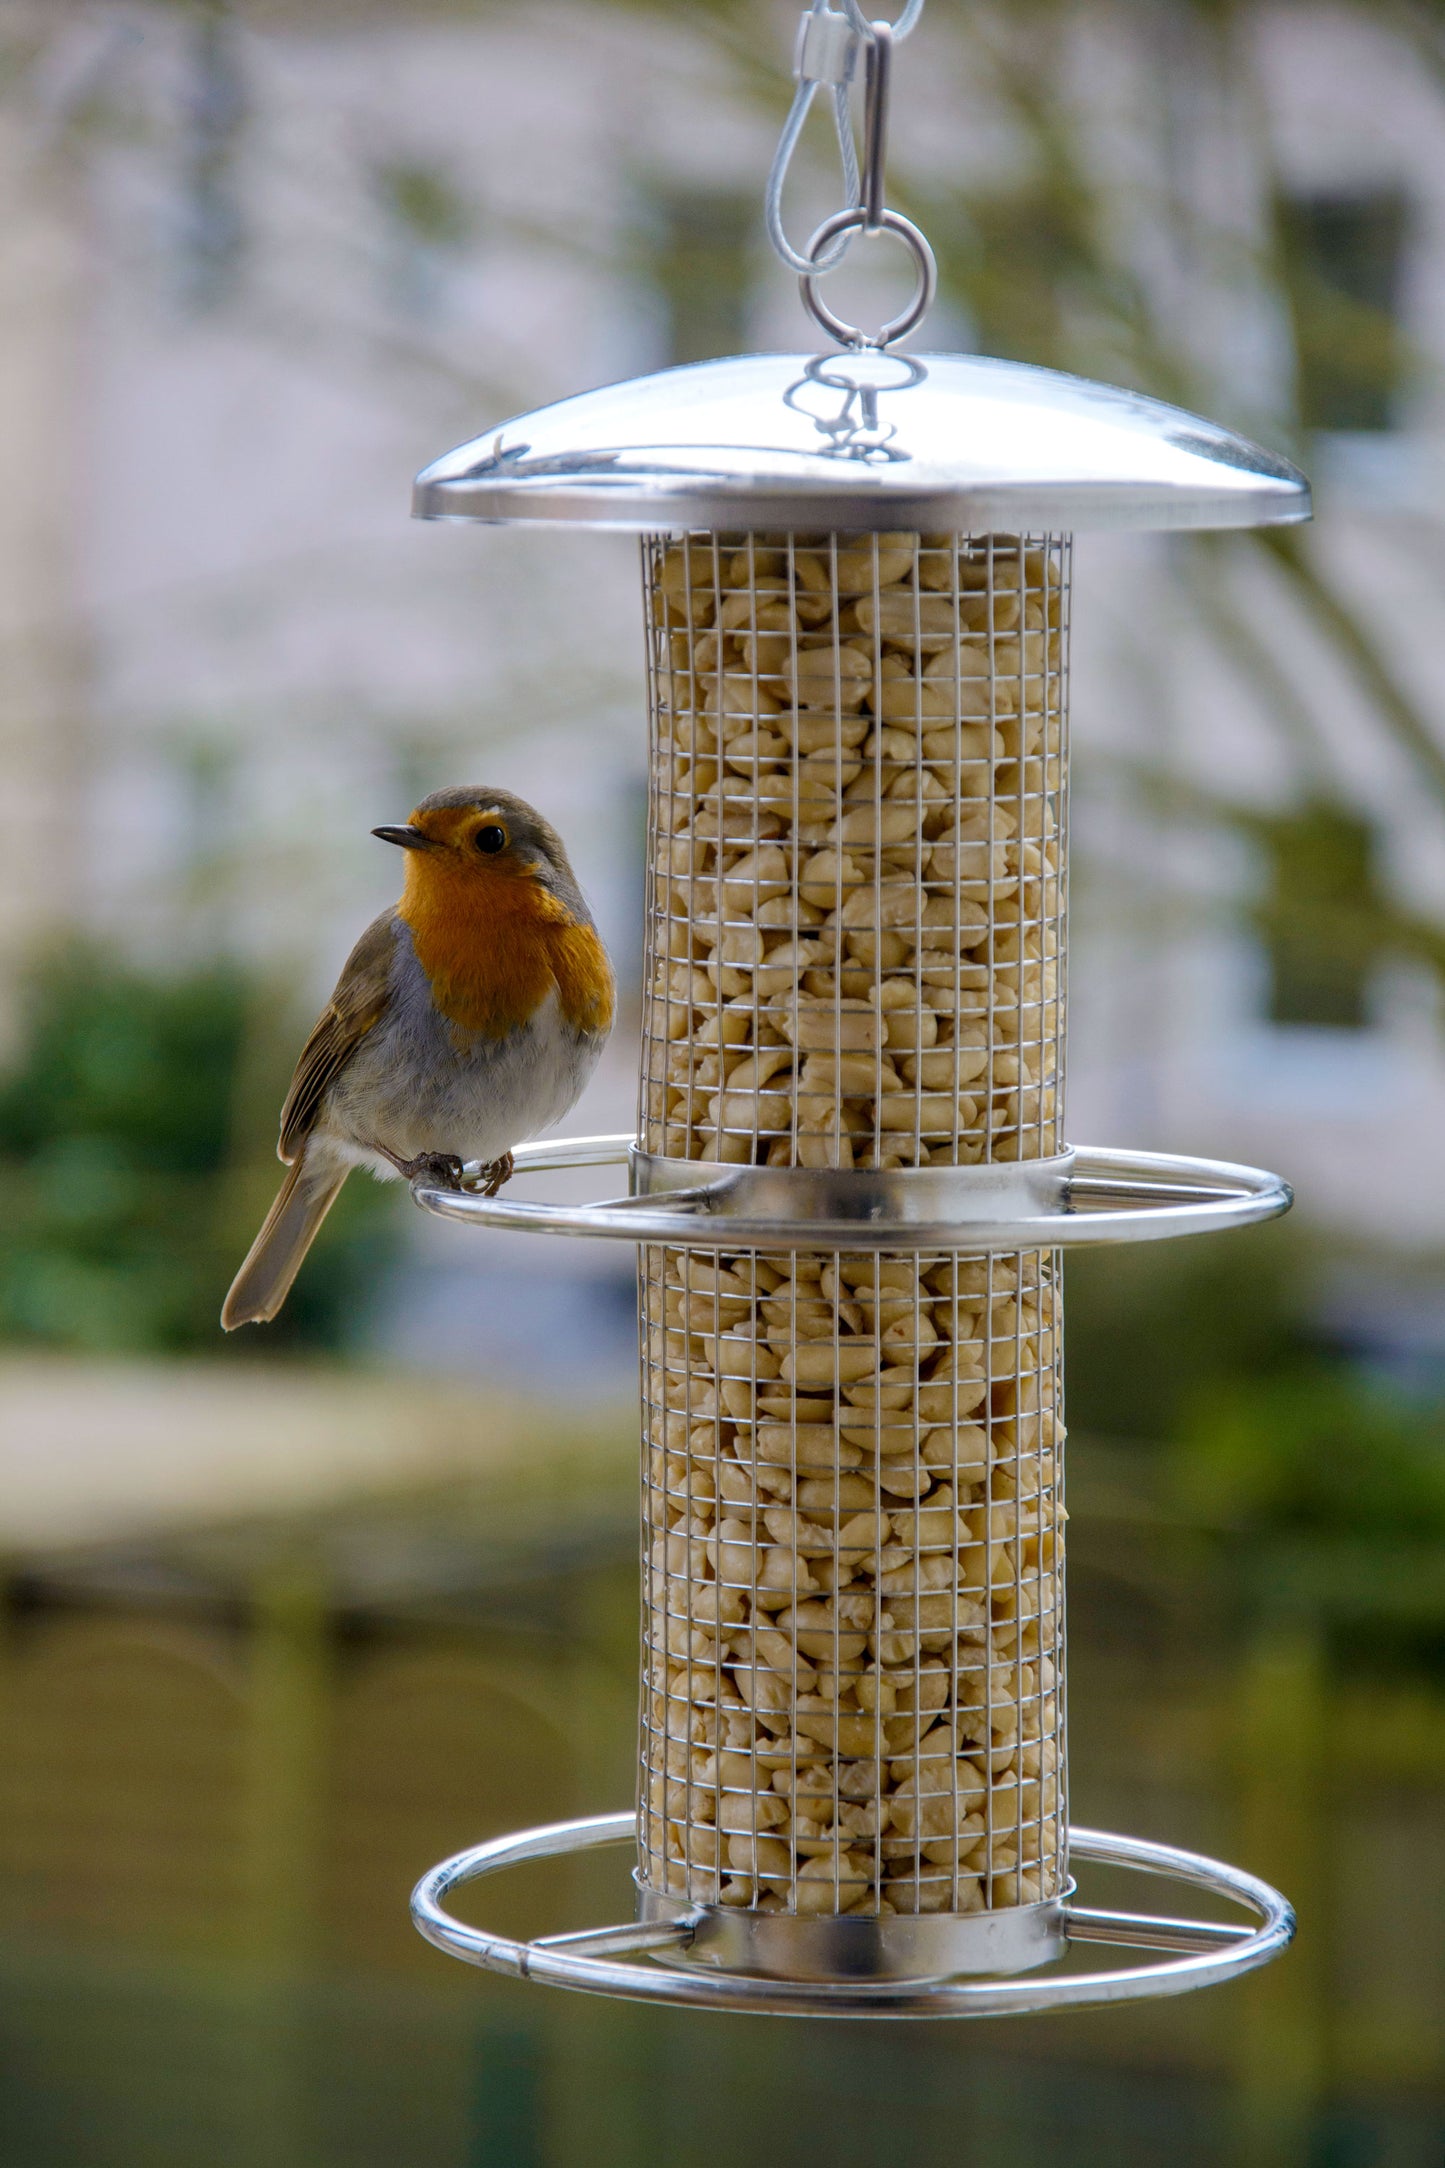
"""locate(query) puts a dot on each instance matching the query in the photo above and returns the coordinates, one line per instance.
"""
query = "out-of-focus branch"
(1358, 647)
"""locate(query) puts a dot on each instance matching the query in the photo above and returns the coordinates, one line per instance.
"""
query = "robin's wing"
(357, 1002)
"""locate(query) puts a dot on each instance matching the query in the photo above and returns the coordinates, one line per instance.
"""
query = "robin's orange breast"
(493, 957)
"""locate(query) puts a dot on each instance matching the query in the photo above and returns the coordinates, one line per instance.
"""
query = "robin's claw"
(500, 1171)
(442, 1169)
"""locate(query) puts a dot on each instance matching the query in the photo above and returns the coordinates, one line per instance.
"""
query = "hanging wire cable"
(827, 54)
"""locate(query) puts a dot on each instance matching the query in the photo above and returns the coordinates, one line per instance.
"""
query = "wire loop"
(925, 266)
(900, 29)
(827, 53)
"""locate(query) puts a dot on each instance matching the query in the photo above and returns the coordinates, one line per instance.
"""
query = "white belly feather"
(419, 1084)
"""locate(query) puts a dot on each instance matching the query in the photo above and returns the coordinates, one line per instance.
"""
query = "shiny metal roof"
(863, 441)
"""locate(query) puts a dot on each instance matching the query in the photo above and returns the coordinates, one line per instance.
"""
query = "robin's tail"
(287, 1233)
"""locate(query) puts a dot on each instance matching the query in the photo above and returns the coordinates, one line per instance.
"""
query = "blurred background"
(289, 1617)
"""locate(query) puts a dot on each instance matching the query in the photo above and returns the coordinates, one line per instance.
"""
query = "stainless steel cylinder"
(852, 1694)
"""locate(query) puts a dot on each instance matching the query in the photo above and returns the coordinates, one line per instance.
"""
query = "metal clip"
(826, 50)
(878, 85)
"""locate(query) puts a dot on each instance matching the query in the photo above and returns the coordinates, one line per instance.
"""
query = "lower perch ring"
(666, 1960)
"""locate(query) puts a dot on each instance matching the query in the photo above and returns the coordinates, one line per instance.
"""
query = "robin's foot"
(443, 1169)
(499, 1171)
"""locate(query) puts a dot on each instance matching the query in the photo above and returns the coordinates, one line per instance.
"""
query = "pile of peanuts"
(853, 1594)
(857, 897)
(853, 1518)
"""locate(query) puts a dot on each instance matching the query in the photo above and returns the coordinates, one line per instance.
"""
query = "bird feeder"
(850, 1185)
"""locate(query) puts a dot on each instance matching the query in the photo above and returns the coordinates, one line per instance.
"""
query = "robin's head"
(485, 842)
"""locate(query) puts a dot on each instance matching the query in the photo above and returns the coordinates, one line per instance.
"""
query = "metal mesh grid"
(856, 849)
(852, 1695)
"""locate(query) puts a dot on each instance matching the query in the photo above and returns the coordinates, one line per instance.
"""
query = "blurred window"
(702, 250)
(1344, 257)
(1319, 918)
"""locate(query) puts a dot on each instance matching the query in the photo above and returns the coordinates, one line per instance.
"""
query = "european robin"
(466, 1018)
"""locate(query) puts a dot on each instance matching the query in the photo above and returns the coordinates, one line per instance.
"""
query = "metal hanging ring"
(857, 220)
(865, 25)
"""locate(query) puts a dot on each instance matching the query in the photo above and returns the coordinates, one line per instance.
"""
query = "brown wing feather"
(357, 1002)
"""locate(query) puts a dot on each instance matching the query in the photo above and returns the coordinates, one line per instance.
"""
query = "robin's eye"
(490, 839)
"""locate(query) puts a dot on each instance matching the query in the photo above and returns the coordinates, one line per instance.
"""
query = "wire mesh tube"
(852, 1694)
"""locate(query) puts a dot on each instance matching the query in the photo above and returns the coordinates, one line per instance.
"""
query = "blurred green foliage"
(123, 1211)
(1155, 1329)
(1317, 1451)
(425, 202)
(1211, 1350)
(1315, 1483)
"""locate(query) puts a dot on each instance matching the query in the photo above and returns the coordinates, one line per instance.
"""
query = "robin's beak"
(410, 839)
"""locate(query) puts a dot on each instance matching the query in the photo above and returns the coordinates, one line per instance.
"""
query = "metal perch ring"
(1194, 1953)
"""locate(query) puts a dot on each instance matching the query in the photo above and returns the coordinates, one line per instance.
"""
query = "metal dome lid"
(866, 441)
